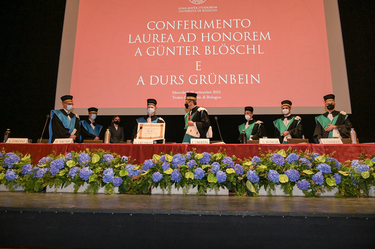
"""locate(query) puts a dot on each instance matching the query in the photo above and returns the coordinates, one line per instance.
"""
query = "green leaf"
(70, 163)
(145, 173)
(369, 162)
(189, 175)
(343, 173)
(320, 159)
(123, 173)
(308, 172)
(262, 168)
(118, 165)
(212, 178)
(62, 172)
(156, 157)
(230, 171)
(93, 177)
(95, 158)
(183, 166)
(2, 176)
(168, 171)
(168, 158)
(250, 187)
(248, 163)
(365, 174)
(282, 152)
(26, 157)
(199, 156)
(331, 182)
(206, 166)
(283, 178)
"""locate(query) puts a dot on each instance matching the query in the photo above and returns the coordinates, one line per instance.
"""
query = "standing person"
(331, 124)
(64, 123)
(197, 121)
(90, 130)
(117, 132)
(289, 126)
(151, 116)
(254, 129)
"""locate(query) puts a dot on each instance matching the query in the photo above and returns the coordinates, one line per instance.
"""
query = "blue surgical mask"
(93, 116)
(150, 110)
(69, 107)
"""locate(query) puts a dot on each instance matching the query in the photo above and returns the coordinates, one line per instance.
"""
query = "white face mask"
(150, 111)
(69, 107)
(247, 117)
(285, 111)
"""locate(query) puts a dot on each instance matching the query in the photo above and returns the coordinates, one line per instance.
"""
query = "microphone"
(45, 124)
(140, 128)
(218, 127)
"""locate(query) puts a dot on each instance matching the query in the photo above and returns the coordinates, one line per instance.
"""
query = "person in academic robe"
(150, 117)
(331, 124)
(254, 129)
(288, 126)
(64, 123)
(197, 121)
(117, 132)
(90, 130)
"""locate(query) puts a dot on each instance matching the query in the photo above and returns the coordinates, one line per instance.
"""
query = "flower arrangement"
(310, 172)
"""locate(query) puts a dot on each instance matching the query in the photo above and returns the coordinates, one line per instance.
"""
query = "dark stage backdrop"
(30, 48)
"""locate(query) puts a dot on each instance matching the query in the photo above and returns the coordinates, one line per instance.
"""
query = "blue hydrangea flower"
(337, 178)
(10, 160)
(165, 166)
(206, 158)
(303, 184)
(107, 158)
(362, 168)
(162, 158)
(188, 155)
(256, 160)
(10, 175)
(337, 163)
(125, 159)
(44, 160)
(83, 159)
(239, 169)
(191, 164)
(273, 175)
(10, 154)
(305, 161)
(315, 155)
(215, 167)
(85, 173)
(41, 171)
(108, 175)
(73, 171)
(292, 174)
(221, 176)
(199, 173)
(318, 178)
(228, 161)
(176, 176)
(252, 176)
(132, 172)
(355, 163)
(324, 168)
(148, 164)
(58, 163)
(292, 158)
(373, 159)
(117, 181)
(1, 154)
(26, 169)
(278, 159)
(54, 170)
(68, 156)
(178, 159)
(156, 177)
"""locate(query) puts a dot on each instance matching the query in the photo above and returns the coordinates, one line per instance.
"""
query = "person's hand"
(331, 127)
(96, 138)
(73, 136)
(286, 133)
(190, 123)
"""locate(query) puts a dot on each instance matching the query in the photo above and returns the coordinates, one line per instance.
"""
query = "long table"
(141, 152)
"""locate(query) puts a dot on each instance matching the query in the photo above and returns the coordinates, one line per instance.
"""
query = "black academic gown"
(89, 136)
(201, 120)
(117, 136)
(343, 125)
(59, 130)
(295, 129)
(153, 118)
(259, 130)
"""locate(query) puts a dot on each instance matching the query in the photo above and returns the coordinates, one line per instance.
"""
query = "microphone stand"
(45, 124)
(218, 127)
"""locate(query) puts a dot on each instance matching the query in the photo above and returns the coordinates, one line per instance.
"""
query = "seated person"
(117, 132)
(64, 123)
(331, 124)
(253, 129)
(289, 126)
(90, 130)
(150, 118)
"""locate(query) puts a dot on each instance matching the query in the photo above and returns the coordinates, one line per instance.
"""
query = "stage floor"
(199, 205)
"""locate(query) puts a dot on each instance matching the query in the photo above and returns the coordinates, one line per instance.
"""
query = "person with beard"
(64, 123)
(90, 130)
(151, 116)
(331, 124)
(197, 121)
(289, 126)
(254, 129)
(117, 132)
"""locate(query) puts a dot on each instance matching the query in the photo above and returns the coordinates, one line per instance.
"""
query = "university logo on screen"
(197, 1)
